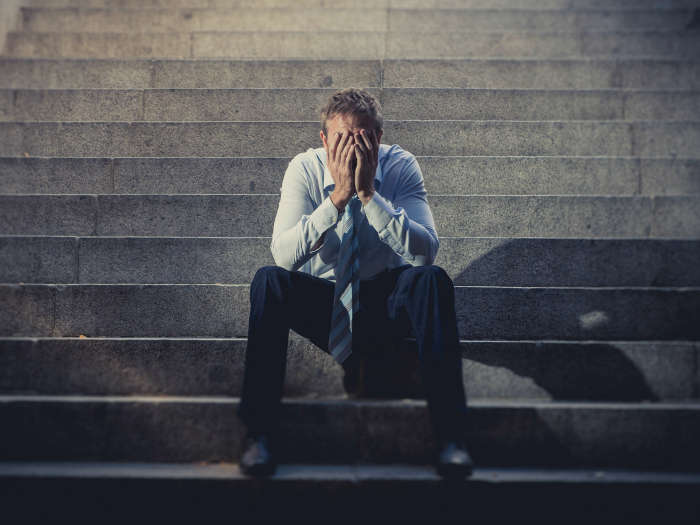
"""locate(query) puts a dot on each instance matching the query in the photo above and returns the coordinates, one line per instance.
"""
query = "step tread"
(626, 31)
(480, 9)
(509, 90)
(693, 120)
(540, 404)
(596, 342)
(333, 472)
(310, 60)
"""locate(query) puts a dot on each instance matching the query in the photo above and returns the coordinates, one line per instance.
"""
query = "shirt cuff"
(378, 212)
(324, 216)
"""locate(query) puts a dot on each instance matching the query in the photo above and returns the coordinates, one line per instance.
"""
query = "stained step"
(302, 104)
(496, 73)
(501, 433)
(475, 261)
(483, 312)
(451, 175)
(420, 137)
(538, 370)
(67, 19)
(368, 44)
(253, 215)
(127, 490)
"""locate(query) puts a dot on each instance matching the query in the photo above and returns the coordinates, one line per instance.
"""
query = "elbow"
(428, 258)
(279, 257)
(434, 247)
(284, 258)
(431, 255)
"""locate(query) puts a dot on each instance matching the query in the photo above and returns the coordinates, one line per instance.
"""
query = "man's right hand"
(341, 164)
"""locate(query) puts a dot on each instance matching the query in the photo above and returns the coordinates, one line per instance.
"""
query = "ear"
(323, 139)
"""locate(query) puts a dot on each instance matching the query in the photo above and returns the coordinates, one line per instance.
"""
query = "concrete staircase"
(142, 148)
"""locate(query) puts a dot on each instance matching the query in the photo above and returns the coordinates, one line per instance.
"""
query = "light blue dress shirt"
(397, 226)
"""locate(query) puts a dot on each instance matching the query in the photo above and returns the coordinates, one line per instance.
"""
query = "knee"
(431, 272)
(265, 273)
(269, 279)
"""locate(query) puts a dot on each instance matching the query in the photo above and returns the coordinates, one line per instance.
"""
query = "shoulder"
(310, 162)
(394, 156)
(306, 164)
(304, 159)
(399, 163)
(395, 153)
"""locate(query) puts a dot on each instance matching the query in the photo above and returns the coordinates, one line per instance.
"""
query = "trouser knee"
(270, 278)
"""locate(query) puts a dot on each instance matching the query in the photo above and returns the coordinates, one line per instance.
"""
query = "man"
(401, 292)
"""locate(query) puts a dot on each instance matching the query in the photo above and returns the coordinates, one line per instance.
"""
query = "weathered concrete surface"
(254, 214)
(452, 175)
(368, 44)
(88, 490)
(564, 371)
(304, 104)
(375, 18)
(496, 73)
(500, 433)
(420, 137)
(155, 310)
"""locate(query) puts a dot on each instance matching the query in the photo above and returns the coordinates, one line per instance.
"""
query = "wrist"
(365, 196)
(339, 201)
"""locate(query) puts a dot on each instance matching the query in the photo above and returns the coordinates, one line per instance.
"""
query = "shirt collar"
(328, 179)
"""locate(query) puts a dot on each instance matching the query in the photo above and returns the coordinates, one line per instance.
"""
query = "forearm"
(294, 246)
(407, 237)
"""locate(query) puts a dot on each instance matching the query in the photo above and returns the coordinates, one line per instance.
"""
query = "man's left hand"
(367, 155)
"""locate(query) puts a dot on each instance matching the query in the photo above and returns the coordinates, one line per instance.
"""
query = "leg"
(424, 301)
(279, 300)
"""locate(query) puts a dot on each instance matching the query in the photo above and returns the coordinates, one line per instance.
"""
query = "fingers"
(360, 155)
(370, 143)
(375, 144)
(338, 153)
(365, 139)
(333, 146)
(360, 149)
(348, 148)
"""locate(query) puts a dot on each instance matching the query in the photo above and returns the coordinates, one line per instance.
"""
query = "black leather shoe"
(453, 460)
(257, 458)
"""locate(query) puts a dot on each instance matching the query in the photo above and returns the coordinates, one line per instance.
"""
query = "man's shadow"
(524, 389)
(558, 370)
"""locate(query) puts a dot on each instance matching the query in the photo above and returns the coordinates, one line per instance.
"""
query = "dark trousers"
(407, 301)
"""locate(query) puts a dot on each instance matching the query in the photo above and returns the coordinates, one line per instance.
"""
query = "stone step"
(472, 261)
(354, 44)
(261, 104)
(549, 370)
(287, 138)
(501, 433)
(128, 490)
(458, 175)
(483, 312)
(493, 73)
(71, 19)
(221, 215)
(368, 4)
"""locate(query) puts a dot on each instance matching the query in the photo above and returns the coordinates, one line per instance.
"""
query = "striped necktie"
(346, 297)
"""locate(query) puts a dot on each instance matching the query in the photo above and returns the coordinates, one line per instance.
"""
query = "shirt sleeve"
(298, 225)
(407, 224)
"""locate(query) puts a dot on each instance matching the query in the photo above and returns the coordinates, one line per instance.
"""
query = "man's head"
(350, 109)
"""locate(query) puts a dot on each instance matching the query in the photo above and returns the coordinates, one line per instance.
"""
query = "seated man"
(353, 214)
